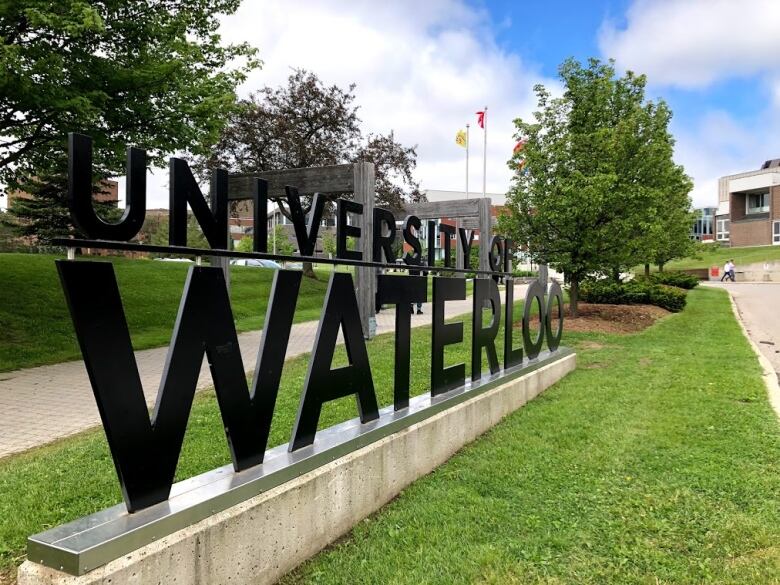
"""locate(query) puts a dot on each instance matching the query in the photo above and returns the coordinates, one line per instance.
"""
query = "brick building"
(748, 211)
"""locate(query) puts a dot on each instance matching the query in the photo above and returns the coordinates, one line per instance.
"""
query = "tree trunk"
(574, 295)
(647, 270)
(616, 275)
(660, 267)
(308, 270)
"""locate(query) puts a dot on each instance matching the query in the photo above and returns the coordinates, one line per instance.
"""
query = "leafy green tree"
(308, 124)
(245, 244)
(152, 73)
(283, 244)
(329, 244)
(597, 165)
(195, 236)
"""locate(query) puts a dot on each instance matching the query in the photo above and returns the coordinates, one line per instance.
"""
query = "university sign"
(146, 450)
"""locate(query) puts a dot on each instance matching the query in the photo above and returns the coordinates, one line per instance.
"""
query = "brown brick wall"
(737, 206)
(751, 232)
(774, 203)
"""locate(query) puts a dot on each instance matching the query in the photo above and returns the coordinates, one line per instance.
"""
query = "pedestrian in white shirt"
(728, 271)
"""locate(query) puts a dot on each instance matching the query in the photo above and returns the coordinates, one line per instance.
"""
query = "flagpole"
(467, 161)
(484, 155)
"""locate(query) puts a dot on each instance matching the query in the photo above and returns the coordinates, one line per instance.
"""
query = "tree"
(307, 124)
(151, 73)
(597, 165)
(329, 244)
(283, 245)
(245, 244)
(195, 236)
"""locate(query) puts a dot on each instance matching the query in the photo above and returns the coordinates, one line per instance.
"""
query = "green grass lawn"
(36, 327)
(649, 464)
(716, 256)
(37, 330)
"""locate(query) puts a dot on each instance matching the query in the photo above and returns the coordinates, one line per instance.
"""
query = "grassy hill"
(716, 256)
(36, 328)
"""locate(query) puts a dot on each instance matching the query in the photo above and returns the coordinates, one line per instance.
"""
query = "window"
(757, 203)
(722, 230)
(776, 232)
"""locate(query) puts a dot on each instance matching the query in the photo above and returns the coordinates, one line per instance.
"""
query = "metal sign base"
(90, 542)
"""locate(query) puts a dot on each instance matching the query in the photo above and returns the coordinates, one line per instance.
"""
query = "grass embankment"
(37, 329)
(651, 463)
(717, 256)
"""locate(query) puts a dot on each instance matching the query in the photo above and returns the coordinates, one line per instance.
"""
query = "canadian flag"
(481, 118)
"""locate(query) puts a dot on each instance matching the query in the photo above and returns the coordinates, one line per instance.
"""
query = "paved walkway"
(44, 404)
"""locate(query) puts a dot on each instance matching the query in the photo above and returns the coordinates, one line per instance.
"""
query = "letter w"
(145, 451)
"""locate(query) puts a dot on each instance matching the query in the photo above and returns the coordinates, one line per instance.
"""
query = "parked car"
(173, 260)
(256, 263)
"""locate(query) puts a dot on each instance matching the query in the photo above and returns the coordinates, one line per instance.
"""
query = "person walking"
(732, 271)
(726, 271)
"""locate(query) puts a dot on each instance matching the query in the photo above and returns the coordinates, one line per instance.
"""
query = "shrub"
(678, 279)
(633, 293)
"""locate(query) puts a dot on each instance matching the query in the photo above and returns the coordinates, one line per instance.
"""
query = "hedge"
(633, 293)
(678, 279)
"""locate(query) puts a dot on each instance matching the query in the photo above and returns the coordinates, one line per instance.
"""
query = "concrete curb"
(769, 375)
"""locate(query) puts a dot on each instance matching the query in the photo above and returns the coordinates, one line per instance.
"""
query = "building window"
(757, 202)
(723, 230)
(776, 232)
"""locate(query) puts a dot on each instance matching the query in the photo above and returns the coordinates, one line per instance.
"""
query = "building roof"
(434, 195)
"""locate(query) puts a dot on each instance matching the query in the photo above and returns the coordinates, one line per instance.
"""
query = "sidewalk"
(44, 404)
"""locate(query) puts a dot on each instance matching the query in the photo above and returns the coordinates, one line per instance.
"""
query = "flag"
(460, 139)
(481, 118)
(518, 147)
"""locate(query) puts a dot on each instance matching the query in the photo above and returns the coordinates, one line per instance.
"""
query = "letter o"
(555, 293)
(535, 292)
(494, 260)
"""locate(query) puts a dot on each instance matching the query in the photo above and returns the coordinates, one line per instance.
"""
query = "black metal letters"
(383, 219)
(80, 187)
(146, 452)
(447, 232)
(402, 291)
(343, 207)
(411, 226)
(444, 379)
(306, 236)
(536, 292)
(466, 241)
(485, 290)
(145, 449)
(555, 294)
(512, 357)
(323, 384)
(183, 190)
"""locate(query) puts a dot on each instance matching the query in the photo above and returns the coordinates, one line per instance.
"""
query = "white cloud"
(422, 70)
(693, 43)
(717, 145)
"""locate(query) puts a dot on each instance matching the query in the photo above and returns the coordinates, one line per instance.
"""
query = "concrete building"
(748, 212)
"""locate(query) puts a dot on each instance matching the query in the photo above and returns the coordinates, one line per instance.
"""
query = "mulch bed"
(595, 318)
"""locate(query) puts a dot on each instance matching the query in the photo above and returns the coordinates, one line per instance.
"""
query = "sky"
(424, 67)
